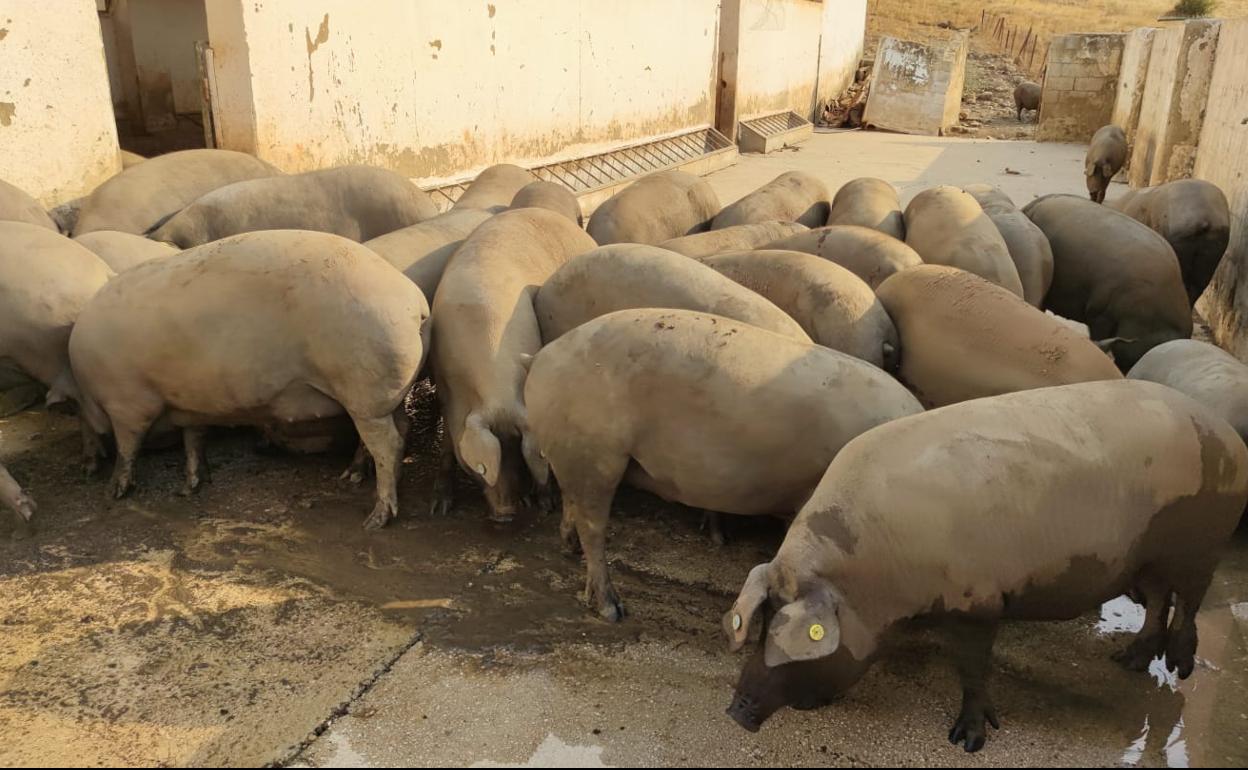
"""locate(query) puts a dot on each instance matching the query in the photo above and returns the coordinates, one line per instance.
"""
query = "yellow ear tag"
(736, 622)
(816, 633)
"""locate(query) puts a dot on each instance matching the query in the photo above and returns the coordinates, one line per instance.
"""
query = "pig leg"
(12, 495)
(1150, 642)
(92, 448)
(444, 481)
(973, 639)
(588, 488)
(129, 441)
(362, 463)
(1181, 636)
(381, 437)
(713, 522)
(196, 459)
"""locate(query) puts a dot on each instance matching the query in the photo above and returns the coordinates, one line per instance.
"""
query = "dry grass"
(915, 19)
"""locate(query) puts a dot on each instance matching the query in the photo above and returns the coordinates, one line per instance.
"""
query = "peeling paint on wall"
(322, 37)
(7, 110)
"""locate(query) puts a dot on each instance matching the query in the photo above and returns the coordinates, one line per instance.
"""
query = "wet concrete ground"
(259, 623)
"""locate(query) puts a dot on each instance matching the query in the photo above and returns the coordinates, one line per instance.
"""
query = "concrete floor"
(258, 623)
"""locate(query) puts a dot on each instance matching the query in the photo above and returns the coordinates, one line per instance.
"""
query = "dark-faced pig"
(16, 498)
(45, 281)
(964, 338)
(1107, 152)
(495, 188)
(142, 196)
(549, 195)
(869, 254)
(655, 208)
(271, 327)
(1038, 505)
(421, 251)
(869, 202)
(630, 275)
(737, 238)
(1194, 217)
(485, 331)
(1029, 249)
(1113, 274)
(794, 196)
(698, 409)
(18, 206)
(1206, 373)
(946, 226)
(356, 202)
(1027, 97)
(122, 251)
(834, 306)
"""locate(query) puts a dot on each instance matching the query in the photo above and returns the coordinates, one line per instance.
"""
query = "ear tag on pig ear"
(736, 621)
(481, 468)
(816, 633)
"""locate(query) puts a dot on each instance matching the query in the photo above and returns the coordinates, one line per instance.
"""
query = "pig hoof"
(90, 466)
(26, 508)
(1181, 654)
(1139, 654)
(353, 476)
(610, 608)
(971, 730)
(121, 488)
(441, 506)
(381, 515)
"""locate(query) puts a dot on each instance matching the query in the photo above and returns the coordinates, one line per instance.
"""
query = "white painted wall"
(436, 89)
(58, 139)
(844, 34)
(778, 56)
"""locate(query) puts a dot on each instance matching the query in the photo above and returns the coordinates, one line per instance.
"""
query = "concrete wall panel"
(1080, 85)
(1132, 75)
(916, 88)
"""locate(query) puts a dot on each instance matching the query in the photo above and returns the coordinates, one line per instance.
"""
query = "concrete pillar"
(58, 137)
(1173, 108)
(1222, 158)
(917, 88)
(1079, 86)
(1133, 74)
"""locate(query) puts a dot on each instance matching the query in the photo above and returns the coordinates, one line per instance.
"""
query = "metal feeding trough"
(597, 177)
(771, 132)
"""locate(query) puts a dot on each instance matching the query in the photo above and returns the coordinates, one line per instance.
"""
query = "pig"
(485, 330)
(495, 188)
(1206, 373)
(963, 337)
(148, 193)
(946, 226)
(16, 498)
(129, 159)
(261, 328)
(18, 206)
(835, 307)
(869, 254)
(1027, 97)
(733, 238)
(794, 196)
(122, 251)
(45, 282)
(421, 251)
(1113, 274)
(356, 202)
(1029, 249)
(655, 208)
(630, 275)
(698, 409)
(549, 195)
(1107, 152)
(869, 202)
(1037, 505)
(1194, 217)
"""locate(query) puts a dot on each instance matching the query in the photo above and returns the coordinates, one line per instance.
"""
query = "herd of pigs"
(933, 396)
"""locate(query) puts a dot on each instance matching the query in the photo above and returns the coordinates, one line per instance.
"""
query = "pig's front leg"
(972, 649)
(12, 495)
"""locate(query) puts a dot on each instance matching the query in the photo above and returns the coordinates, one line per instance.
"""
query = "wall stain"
(436, 44)
(492, 10)
(7, 110)
(3, 33)
(322, 36)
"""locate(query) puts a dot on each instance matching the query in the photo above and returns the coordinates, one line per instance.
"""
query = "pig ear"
(753, 594)
(803, 630)
(480, 450)
(535, 459)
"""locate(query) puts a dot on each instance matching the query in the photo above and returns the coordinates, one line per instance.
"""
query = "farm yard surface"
(258, 622)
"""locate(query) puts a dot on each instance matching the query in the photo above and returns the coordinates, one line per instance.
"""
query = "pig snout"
(745, 712)
(505, 497)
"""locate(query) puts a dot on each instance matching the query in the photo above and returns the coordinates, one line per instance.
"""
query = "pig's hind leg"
(588, 481)
(972, 641)
(1181, 636)
(381, 436)
(196, 459)
(1150, 642)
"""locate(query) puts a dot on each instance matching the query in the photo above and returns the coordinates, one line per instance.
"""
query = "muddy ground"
(257, 622)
